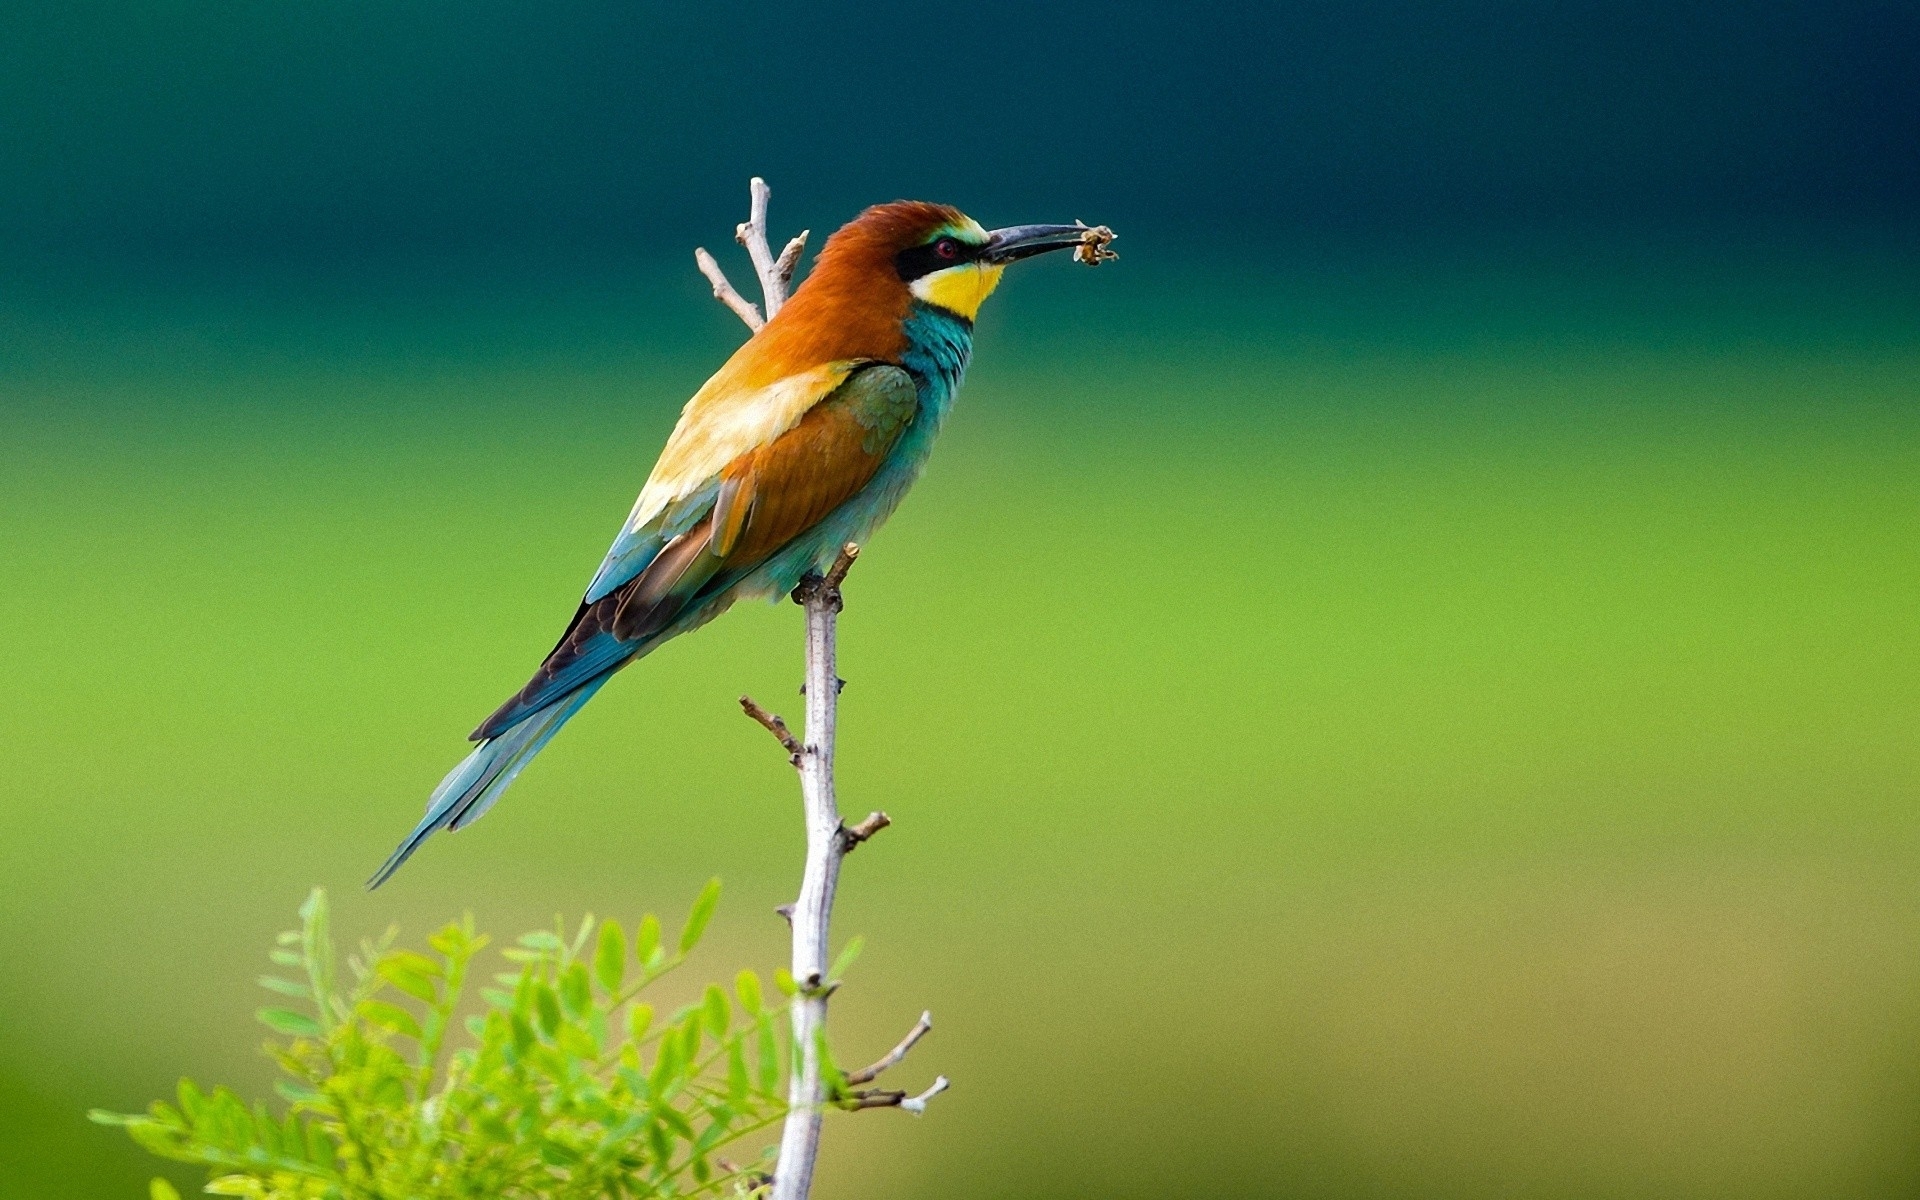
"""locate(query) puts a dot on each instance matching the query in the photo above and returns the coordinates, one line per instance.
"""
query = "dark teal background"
(1405, 685)
(200, 131)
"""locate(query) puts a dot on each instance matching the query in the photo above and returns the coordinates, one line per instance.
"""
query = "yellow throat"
(959, 289)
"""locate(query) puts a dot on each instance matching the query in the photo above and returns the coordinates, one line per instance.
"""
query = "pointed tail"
(471, 788)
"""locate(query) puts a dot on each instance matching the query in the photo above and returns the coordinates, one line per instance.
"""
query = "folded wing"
(697, 537)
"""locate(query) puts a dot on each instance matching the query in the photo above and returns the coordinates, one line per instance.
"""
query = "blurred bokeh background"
(1406, 685)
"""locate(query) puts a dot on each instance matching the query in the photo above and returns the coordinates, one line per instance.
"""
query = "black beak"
(1024, 241)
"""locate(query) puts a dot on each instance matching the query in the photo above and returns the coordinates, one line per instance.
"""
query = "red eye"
(947, 248)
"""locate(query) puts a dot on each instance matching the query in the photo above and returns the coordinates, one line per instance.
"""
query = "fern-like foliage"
(566, 1085)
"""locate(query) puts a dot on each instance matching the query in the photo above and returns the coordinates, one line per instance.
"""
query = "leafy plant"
(569, 1084)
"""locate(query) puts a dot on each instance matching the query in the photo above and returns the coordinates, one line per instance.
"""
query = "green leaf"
(701, 914)
(452, 941)
(266, 1130)
(289, 1022)
(286, 987)
(665, 1066)
(610, 957)
(390, 1017)
(828, 1069)
(160, 1189)
(746, 985)
(738, 1085)
(419, 964)
(783, 981)
(575, 992)
(295, 1093)
(677, 1121)
(579, 939)
(412, 982)
(547, 1007)
(646, 941)
(542, 939)
(848, 953)
(320, 1150)
(718, 1012)
(638, 1018)
(411, 973)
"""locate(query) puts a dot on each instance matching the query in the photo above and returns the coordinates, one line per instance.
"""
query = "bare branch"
(775, 274)
(789, 260)
(777, 727)
(918, 1104)
(723, 291)
(853, 835)
(921, 1028)
(813, 909)
(837, 574)
(872, 1098)
(753, 235)
(887, 1098)
(828, 840)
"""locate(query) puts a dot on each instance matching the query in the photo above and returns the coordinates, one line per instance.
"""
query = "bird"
(806, 439)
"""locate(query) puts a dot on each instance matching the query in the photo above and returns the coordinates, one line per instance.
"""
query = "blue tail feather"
(474, 786)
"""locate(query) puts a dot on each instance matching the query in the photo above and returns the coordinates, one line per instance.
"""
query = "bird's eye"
(947, 248)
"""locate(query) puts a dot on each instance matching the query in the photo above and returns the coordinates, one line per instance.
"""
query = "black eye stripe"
(916, 261)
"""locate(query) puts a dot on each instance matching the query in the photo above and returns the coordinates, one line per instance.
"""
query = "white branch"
(723, 291)
(753, 235)
(828, 841)
(775, 274)
(918, 1104)
(789, 260)
(892, 1057)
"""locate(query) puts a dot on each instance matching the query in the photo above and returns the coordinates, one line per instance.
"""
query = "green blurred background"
(1404, 686)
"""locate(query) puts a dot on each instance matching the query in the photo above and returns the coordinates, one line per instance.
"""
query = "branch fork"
(828, 839)
(775, 274)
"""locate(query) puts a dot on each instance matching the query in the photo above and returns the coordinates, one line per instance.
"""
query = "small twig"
(837, 574)
(789, 260)
(886, 1098)
(723, 291)
(873, 1098)
(853, 835)
(918, 1104)
(921, 1028)
(775, 274)
(753, 235)
(777, 727)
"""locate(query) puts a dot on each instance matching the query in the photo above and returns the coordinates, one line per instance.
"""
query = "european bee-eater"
(804, 441)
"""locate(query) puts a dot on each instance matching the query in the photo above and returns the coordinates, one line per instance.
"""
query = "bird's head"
(933, 253)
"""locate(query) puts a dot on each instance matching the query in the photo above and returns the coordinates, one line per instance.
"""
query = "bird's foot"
(815, 588)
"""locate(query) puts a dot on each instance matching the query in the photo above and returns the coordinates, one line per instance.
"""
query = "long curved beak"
(1024, 241)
